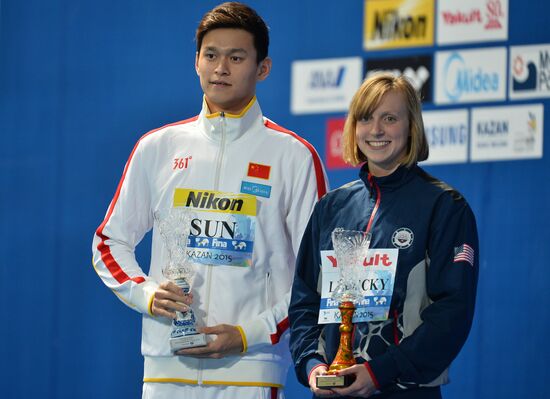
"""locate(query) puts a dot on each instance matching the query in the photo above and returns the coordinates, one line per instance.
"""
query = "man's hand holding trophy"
(174, 225)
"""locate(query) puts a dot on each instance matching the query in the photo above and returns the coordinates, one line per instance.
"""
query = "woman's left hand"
(363, 385)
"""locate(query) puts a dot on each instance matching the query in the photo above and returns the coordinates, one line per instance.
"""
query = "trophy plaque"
(350, 248)
(174, 225)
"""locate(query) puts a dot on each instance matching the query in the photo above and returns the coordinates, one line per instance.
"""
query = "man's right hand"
(168, 299)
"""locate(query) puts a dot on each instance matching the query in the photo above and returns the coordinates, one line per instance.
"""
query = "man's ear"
(264, 68)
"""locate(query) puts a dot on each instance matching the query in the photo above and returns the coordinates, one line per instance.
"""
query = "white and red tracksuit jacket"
(215, 157)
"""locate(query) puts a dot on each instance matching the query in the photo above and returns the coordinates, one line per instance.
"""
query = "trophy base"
(328, 381)
(187, 341)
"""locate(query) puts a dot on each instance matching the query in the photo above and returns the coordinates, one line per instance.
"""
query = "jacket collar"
(214, 125)
(395, 180)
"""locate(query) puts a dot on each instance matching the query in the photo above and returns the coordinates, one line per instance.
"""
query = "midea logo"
(462, 80)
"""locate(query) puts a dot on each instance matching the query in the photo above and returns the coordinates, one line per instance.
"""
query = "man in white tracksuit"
(251, 186)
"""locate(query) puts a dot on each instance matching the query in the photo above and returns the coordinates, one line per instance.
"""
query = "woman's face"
(383, 136)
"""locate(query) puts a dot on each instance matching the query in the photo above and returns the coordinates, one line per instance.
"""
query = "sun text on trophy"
(350, 249)
(174, 225)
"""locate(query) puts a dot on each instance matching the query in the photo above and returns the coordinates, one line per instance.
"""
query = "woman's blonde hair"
(367, 99)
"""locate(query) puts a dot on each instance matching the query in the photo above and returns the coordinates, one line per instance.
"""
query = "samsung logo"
(444, 135)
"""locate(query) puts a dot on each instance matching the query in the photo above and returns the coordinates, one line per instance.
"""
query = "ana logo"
(494, 13)
(461, 80)
(181, 163)
(327, 78)
(402, 238)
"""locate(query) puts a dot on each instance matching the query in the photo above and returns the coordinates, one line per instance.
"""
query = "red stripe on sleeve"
(105, 250)
(281, 328)
(321, 185)
(395, 329)
(372, 376)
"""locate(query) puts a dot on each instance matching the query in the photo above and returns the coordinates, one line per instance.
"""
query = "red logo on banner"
(335, 129)
(258, 170)
(494, 14)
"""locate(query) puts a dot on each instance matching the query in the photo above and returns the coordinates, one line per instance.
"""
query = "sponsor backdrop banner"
(471, 21)
(333, 144)
(529, 72)
(470, 75)
(82, 81)
(324, 85)
(398, 23)
(500, 133)
(447, 133)
(417, 68)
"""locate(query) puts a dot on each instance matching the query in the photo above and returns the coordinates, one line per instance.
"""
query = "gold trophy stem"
(344, 357)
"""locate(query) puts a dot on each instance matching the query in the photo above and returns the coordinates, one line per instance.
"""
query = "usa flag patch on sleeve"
(464, 253)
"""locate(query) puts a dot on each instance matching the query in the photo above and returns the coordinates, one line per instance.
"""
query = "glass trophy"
(350, 249)
(174, 225)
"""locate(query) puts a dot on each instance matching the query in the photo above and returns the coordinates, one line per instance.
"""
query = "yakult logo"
(376, 260)
(471, 21)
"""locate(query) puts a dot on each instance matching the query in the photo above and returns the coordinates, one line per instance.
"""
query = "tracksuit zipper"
(219, 162)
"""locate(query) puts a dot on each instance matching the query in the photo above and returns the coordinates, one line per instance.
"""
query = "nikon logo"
(389, 25)
(208, 200)
(215, 201)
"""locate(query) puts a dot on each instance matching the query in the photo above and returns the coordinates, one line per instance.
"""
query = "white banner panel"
(471, 21)
(511, 132)
(470, 75)
(324, 85)
(392, 24)
(447, 133)
(529, 71)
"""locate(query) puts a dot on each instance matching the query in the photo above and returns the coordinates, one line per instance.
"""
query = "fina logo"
(327, 79)
(466, 80)
(524, 78)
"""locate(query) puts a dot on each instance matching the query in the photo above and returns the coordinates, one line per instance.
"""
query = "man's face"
(227, 69)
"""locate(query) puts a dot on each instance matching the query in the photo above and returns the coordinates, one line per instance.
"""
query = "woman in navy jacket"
(434, 230)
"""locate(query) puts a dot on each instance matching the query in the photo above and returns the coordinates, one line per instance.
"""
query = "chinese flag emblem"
(258, 170)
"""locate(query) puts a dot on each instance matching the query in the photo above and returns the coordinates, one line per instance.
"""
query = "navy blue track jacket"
(435, 283)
